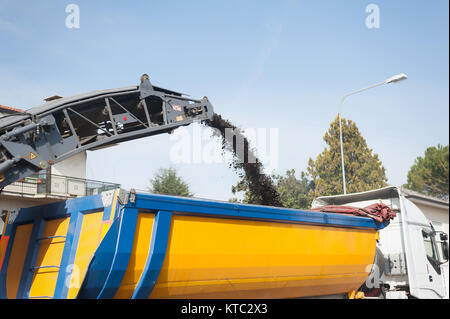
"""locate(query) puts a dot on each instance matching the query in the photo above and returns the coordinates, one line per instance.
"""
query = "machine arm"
(59, 129)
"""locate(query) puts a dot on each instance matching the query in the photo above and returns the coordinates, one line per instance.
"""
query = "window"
(430, 249)
(3, 215)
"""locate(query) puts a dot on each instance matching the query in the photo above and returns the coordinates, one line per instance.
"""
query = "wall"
(438, 215)
(74, 166)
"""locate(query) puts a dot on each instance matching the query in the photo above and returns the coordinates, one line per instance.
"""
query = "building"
(61, 181)
(6, 110)
(435, 210)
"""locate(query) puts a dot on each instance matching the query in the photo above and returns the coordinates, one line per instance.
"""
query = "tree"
(293, 191)
(363, 170)
(249, 196)
(166, 181)
(429, 174)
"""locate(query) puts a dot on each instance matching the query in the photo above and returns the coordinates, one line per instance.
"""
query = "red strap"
(378, 211)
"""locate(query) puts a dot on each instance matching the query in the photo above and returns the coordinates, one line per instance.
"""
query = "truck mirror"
(444, 245)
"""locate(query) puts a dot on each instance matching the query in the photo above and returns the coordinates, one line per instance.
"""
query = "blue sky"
(282, 64)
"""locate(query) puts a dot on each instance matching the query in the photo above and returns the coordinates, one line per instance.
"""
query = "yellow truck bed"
(127, 245)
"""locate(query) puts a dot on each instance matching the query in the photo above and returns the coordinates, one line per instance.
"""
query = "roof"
(381, 193)
(386, 192)
(413, 194)
(8, 109)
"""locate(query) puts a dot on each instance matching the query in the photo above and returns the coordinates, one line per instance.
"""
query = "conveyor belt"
(54, 131)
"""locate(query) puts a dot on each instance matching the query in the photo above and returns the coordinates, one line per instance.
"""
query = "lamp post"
(393, 79)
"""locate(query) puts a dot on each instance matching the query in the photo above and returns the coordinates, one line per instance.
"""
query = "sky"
(282, 65)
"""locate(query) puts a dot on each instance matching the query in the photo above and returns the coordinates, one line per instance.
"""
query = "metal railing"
(57, 185)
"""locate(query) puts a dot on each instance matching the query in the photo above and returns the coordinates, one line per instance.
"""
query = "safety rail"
(49, 185)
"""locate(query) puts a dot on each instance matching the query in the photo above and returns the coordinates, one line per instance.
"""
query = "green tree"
(166, 181)
(363, 170)
(429, 174)
(249, 197)
(294, 192)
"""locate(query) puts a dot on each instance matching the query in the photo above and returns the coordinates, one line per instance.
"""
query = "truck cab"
(412, 255)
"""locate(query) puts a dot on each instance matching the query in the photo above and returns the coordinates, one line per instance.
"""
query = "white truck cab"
(411, 254)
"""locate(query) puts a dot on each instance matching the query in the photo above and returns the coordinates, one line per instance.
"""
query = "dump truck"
(122, 244)
(128, 244)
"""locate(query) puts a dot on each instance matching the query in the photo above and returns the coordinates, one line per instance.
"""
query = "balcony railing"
(45, 185)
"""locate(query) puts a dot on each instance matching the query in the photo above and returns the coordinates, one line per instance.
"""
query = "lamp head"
(397, 78)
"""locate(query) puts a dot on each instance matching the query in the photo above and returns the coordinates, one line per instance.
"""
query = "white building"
(435, 210)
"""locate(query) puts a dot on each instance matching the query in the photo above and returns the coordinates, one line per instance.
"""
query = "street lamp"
(393, 79)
